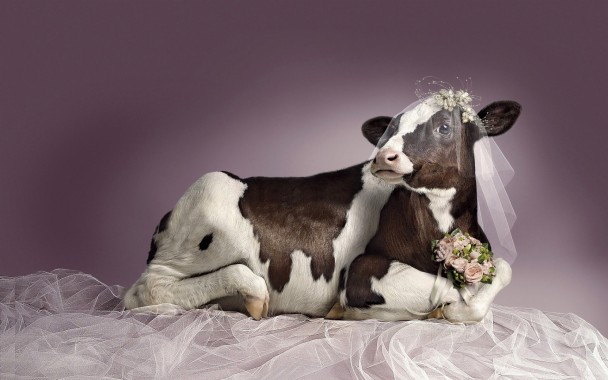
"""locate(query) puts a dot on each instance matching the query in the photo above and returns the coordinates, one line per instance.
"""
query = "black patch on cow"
(305, 213)
(359, 291)
(152, 251)
(405, 231)
(375, 128)
(160, 227)
(205, 242)
(233, 176)
(342, 280)
(163, 222)
(499, 117)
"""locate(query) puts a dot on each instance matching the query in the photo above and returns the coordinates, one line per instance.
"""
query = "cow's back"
(299, 215)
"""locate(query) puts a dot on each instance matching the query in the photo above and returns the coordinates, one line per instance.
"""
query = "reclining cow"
(354, 241)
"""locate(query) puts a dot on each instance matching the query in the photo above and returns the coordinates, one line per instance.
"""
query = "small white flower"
(475, 253)
(449, 100)
(463, 97)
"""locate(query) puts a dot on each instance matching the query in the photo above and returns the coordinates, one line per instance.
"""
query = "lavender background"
(109, 110)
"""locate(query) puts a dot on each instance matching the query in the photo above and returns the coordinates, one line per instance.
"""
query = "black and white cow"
(354, 241)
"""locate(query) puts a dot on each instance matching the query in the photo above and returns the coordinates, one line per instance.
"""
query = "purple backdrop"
(110, 110)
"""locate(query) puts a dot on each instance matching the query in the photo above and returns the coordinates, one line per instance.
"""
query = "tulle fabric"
(67, 324)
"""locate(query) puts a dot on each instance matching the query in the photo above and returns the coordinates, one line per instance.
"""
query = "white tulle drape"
(66, 324)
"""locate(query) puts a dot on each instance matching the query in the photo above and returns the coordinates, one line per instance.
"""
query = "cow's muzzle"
(391, 165)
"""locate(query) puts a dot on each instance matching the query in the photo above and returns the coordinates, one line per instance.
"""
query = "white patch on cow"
(302, 293)
(406, 292)
(440, 204)
(362, 218)
(420, 114)
(410, 119)
(390, 162)
(342, 297)
(209, 206)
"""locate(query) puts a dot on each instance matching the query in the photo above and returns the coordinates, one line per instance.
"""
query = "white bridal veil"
(492, 170)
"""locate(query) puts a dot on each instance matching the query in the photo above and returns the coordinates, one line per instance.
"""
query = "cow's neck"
(454, 207)
(412, 218)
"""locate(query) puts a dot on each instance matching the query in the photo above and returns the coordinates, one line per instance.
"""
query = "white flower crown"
(449, 99)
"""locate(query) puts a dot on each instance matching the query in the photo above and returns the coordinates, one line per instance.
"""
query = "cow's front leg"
(475, 309)
(192, 292)
(380, 288)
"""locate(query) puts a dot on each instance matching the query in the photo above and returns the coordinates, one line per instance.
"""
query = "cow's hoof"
(436, 314)
(336, 312)
(257, 307)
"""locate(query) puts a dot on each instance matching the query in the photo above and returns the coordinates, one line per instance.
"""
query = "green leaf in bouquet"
(467, 249)
(492, 270)
(455, 232)
(434, 244)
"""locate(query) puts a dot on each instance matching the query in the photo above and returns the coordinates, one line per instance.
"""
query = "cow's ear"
(499, 117)
(373, 129)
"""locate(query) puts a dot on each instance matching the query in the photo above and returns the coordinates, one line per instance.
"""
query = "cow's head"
(428, 146)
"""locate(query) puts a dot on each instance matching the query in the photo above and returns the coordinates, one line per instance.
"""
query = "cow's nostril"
(392, 158)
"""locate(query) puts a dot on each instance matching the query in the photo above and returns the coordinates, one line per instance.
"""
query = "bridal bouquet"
(465, 259)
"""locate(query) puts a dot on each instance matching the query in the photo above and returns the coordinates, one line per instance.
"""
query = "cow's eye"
(444, 129)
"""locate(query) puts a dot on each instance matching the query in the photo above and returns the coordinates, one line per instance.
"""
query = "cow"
(347, 244)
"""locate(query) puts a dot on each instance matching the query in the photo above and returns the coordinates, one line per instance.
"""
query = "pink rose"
(473, 272)
(459, 264)
(442, 251)
(461, 242)
(450, 260)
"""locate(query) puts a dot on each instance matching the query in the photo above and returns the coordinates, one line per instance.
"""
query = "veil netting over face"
(492, 171)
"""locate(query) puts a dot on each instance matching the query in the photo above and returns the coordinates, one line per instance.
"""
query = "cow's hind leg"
(192, 292)
(380, 288)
